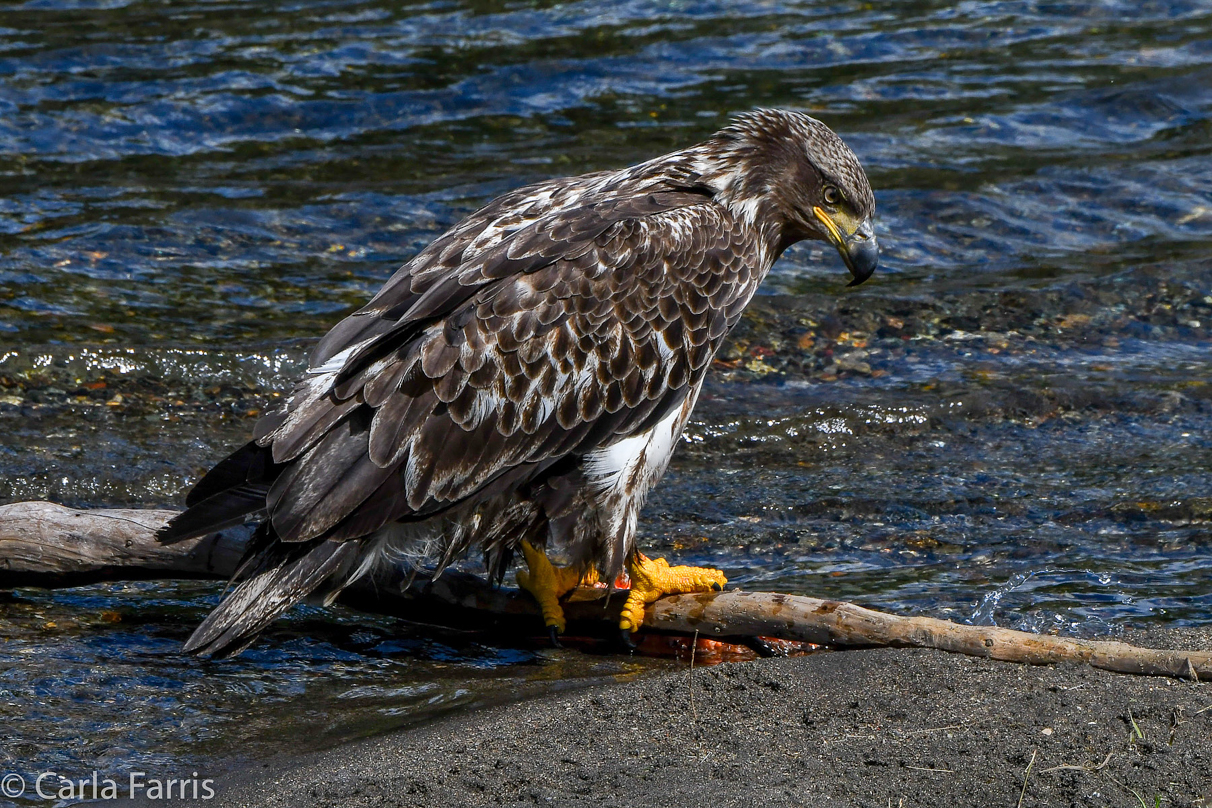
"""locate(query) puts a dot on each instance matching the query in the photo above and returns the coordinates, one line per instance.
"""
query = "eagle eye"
(832, 195)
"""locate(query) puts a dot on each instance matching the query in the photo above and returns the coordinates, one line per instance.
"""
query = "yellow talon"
(652, 579)
(548, 583)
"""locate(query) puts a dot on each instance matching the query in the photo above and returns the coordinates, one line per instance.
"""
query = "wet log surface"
(48, 545)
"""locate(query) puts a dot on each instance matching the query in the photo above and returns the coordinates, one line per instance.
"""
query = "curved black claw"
(554, 635)
(625, 639)
(716, 587)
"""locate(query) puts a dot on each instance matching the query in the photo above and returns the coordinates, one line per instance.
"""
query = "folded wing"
(558, 322)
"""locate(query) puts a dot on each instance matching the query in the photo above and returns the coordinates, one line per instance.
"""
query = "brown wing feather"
(557, 336)
(479, 232)
(567, 233)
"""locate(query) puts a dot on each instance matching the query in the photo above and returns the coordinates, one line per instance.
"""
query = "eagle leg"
(548, 583)
(652, 579)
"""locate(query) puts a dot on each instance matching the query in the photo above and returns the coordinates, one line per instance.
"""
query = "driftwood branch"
(47, 545)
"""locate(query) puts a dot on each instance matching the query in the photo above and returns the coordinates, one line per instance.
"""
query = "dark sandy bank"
(872, 728)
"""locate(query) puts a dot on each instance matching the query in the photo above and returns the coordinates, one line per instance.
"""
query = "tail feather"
(263, 597)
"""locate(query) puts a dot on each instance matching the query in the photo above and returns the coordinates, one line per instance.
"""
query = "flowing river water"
(1011, 422)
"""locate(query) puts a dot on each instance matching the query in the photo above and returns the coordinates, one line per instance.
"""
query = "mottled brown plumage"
(527, 374)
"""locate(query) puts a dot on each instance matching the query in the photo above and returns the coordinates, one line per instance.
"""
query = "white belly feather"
(624, 472)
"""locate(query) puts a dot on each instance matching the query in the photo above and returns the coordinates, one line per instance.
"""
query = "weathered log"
(47, 545)
(839, 624)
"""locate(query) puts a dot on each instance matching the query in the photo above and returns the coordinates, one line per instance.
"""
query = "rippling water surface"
(1009, 423)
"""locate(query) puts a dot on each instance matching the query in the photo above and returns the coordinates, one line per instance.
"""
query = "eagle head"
(795, 171)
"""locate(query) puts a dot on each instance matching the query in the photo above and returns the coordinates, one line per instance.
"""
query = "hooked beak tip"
(862, 256)
(859, 250)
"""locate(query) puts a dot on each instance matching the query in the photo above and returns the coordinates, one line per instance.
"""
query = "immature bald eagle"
(521, 383)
